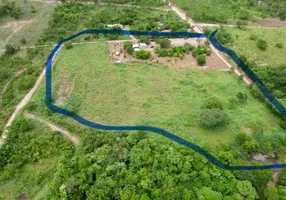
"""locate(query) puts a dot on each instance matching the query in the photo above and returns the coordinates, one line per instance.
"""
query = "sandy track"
(54, 127)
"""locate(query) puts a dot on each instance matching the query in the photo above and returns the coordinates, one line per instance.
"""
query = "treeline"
(223, 11)
(71, 18)
(130, 166)
(10, 8)
(149, 3)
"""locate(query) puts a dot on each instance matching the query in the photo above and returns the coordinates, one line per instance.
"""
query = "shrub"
(213, 118)
(262, 44)
(188, 47)
(202, 49)
(213, 103)
(33, 9)
(163, 53)
(241, 96)
(164, 42)
(224, 37)
(279, 45)
(10, 50)
(142, 54)
(68, 45)
(23, 41)
(144, 39)
(201, 59)
(128, 47)
(253, 37)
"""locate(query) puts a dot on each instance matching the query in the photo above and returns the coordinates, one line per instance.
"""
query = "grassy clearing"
(244, 45)
(32, 30)
(153, 95)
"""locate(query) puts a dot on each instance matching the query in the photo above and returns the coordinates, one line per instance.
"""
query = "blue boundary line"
(159, 131)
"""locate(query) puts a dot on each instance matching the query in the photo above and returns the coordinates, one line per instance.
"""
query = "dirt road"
(198, 29)
(54, 127)
(22, 104)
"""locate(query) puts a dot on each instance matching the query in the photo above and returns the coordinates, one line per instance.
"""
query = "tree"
(164, 42)
(188, 47)
(142, 54)
(10, 50)
(223, 36)
(213, 103)
(68, 45)
(271, 193)
(262, 44)
(201, 59)
(246, 190)
(128, 47)
(213, 118)
(279, 45)
(241, 96)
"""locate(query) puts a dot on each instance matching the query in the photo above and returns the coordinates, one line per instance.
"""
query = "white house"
(114, 25)
(143, 45)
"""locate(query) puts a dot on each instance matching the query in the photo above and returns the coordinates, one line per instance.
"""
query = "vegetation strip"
(159, 131)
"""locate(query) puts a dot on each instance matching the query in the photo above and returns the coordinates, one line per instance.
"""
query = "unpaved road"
(198, 29)
(54, 127)
(23, 103)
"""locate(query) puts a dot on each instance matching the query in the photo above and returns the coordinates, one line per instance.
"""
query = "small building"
(142, 45)
(166, 31)
(135, 46)
(114, 25)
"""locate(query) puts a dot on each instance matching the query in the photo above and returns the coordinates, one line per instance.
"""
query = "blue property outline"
(159, 131)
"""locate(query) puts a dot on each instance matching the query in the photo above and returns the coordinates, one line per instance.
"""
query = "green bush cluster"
(142, 54)
(200, 53)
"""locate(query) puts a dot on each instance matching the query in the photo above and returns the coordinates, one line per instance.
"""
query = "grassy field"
(244, 45)
(30, 25)
(156, 96)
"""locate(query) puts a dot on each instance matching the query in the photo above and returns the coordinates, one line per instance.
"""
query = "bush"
(128, 47)
(202, 49)
(279, 45)
(213, 118)
(164, 42)
(253, 37)
(163, 53)
(33, 9)
(144, 39)
(188, 47)
(142, 54)
(224, 37)
(262, 44)
(213, 103)
(23, 41)
(241, 96)
(68, 45)
(201, 59)
(10, 50)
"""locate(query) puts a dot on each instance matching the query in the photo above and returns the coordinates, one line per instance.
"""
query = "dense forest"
(68, 19)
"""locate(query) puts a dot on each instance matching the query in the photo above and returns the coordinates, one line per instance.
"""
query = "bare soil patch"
(16, 25)
(65, 87)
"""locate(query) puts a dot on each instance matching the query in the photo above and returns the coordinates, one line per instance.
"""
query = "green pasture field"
(158, 96)
(244, 44)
